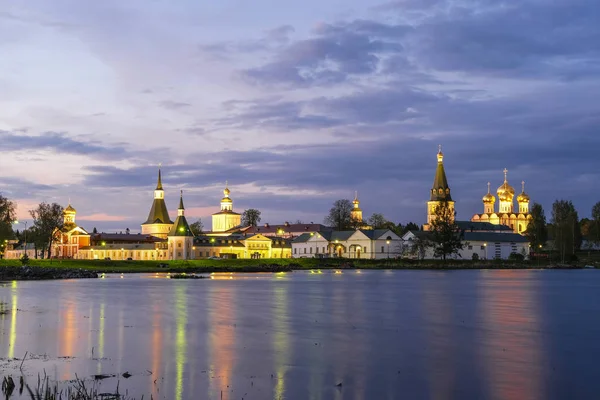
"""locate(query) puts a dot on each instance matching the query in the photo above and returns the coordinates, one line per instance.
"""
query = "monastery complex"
(491, 234)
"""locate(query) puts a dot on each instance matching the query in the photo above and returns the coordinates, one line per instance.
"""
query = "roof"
(374, 233)
(494, 237)
(440, 182)
(226, 212)
(125, 246)
(125, 237)
(180, 227)
(69, 209)
(305, 237)
(158, 213)
(481, 226)
(287, 228)
(159, 183)
(419, 234)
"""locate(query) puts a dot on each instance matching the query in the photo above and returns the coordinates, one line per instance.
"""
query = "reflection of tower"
(13, 322)
(281, 332)
(509, 304)
(440, 191)
(221, 338)
(356, 213)
(180, 339)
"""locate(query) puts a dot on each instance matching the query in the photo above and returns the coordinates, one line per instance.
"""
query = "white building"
(360, 243)
(482, 241)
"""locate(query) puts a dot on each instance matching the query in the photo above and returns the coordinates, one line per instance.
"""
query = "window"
(470, 247)
(295, 250)
(178, 254)
(482, 247)
(311, 250)
(382, 249)
(305, 250)
(179, 244)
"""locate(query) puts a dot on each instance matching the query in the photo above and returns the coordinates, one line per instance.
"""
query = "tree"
(567, 234)
(595, 230)
(197, 227)
(445, 233)
(95, 231)
(250, 217)
(7, 217)
(411, 226)
(419, 246)
(537, 231)
(378, 221)
(47, 218)
(340, 215)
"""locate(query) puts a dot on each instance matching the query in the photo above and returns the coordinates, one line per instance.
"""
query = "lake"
(487, 334)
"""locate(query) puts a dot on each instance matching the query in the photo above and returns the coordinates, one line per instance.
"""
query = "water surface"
(380, 334)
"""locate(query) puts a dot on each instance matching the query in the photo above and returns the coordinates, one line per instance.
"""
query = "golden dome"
(70, 209)
(226, 200)
(523, 197)
(505, 191)
(489, 198)
(226, 192)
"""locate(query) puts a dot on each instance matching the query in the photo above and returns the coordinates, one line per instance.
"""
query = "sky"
(296, 104)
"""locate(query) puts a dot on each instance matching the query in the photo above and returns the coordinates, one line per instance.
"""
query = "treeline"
(47, 219)
(340, 218)
(565, 233)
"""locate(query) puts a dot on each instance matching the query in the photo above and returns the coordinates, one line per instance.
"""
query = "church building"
(226, 219)
(518, 220)
(158, 223)
(181, 238)
(440, 192)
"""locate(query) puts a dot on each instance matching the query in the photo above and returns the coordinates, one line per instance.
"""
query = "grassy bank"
(272, 265)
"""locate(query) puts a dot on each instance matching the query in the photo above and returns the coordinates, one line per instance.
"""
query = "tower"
(506, 194)
(158, 223)
(523, 200)
(440, 191)
(489, 201)
(356, 213)
(181, 238)
(226, 219)
(69, 215)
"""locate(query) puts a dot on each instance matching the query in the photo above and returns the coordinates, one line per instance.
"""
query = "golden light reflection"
(221, 339)
(101, 337)
(157, 343)
(281, 342)
(512, 348)
(180, 339)
(68, 334)
(13, 321)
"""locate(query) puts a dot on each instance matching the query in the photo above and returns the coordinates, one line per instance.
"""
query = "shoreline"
(74, 269)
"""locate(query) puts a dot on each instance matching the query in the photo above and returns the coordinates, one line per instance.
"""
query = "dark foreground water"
(381, 334)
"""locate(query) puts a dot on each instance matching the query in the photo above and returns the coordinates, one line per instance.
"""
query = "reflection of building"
(518, 221)
(440, 192)
(226, 219)
(158, 223)
(360, 243)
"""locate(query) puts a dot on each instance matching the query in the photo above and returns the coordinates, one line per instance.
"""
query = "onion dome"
(523, 197)
(505, 191)
(489, 198)
(70, 209)
(226, 192)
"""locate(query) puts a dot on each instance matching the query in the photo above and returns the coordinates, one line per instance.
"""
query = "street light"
(388, 248)
(212, 246)
(25, 232)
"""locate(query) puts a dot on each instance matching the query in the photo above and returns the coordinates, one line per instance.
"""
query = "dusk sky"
(296, 104)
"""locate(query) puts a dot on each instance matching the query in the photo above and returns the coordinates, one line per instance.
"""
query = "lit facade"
(226, 219)
(240, 246)
(181, 238)
(517, 219)
(360, 243)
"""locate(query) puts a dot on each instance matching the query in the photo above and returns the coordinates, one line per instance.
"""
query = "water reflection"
(180, 341)
(221, 338)
(281, 344)
(13, 321)
(512, 351)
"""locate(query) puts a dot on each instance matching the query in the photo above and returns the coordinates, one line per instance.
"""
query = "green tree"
(537, 231)
(567, 233)
(339, 216)
(378, 221)
(7, 218)
(250, 217)
(411, 226)
(197, 227)
(47, 218)
(595, 229)
(445, 233)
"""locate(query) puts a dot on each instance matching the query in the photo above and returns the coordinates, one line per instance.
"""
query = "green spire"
(181, 207)
(159, 183)
(440, 182)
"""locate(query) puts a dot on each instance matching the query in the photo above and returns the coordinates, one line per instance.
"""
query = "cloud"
(174, 105)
